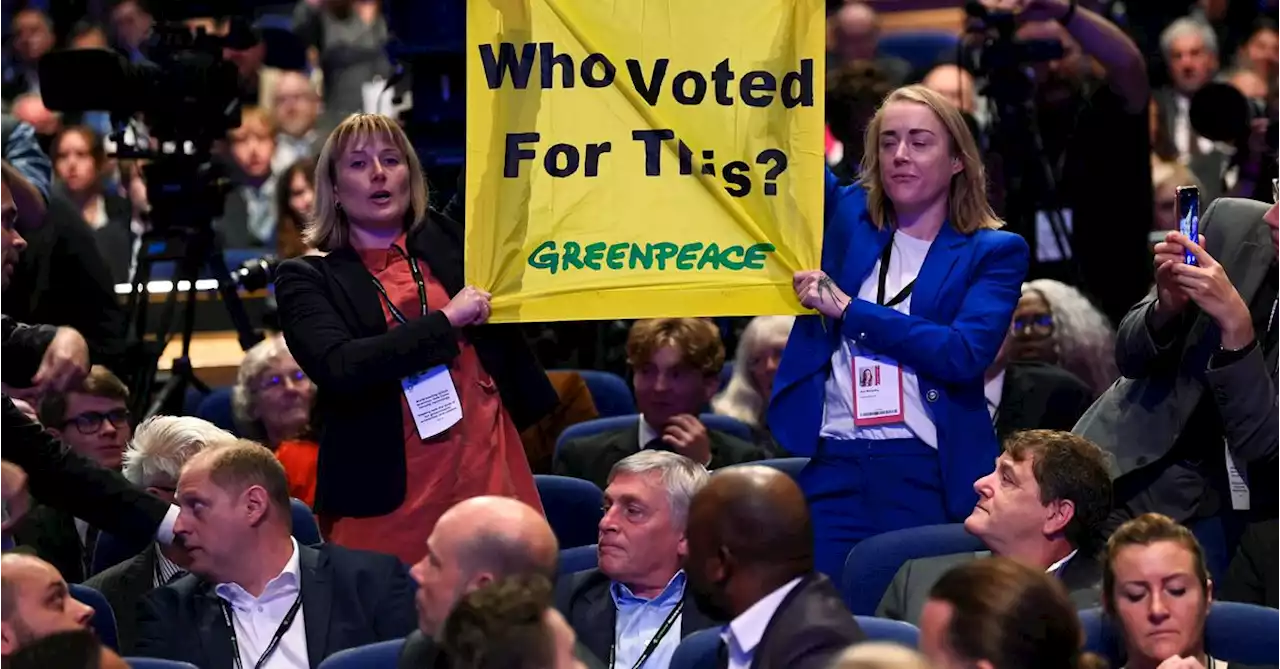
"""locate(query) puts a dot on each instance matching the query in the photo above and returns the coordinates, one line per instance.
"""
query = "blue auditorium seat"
(610, 393)
(216, 408)
(792, 466)
(872, 563)
(1234, 633)
(573, 507)
(699, 650)
(156, 663)
(104, 619)
(305, 528)
(578, 558)
(921, 49)
(894, 631)
(383, 654)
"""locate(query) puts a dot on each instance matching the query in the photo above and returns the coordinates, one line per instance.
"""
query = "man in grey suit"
(1190, 49)
(1042, 506)
(1198, 361)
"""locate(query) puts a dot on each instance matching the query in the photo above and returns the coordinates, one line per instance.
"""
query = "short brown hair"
(254, 115)
(243, 464)
(501, 626)
(697, 339)
(1011, 615)
(1068, 467)
(1147, 529)
(99, 382)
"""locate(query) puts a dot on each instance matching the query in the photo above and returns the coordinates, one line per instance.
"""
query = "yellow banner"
(642, 158)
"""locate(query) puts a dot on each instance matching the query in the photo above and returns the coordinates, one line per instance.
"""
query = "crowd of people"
(1097, 412)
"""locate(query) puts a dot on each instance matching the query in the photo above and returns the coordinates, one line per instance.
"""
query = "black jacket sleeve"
(63, 479)
(23, 348)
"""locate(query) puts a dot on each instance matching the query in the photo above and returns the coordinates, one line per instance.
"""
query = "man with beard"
(1096, 145)
(751, 562)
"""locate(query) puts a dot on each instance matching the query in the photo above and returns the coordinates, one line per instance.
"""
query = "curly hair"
(1084, 337)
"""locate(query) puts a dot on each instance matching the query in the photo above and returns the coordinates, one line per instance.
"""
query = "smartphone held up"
(1188, 198)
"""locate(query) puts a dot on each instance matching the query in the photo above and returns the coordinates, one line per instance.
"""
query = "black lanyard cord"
(417, 278)
(653, 643)
(884, 274)
(275, 640)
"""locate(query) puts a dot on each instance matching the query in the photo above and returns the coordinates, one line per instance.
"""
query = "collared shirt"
(256, 619)
(261, 204)
(638, 622)
(166, 570)
(1055, 567)
(1185, 138)
(745, 632)
(994, 392)
(647, 433)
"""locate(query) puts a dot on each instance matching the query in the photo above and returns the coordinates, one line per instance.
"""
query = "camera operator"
(1094, 132)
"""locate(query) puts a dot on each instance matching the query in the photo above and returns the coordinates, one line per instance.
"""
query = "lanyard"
(884, 274)
(275, 640)
(417, 278)
(653, 643)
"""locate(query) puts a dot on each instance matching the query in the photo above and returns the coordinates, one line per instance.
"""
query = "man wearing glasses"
(93, 420)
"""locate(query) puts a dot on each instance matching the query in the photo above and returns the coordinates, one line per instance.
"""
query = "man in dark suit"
(1026, 395)
(636, 606)
(1198, 357)
(751, 562)
(1190, 49)
(1251, 578)
(475, 543)
(36, 603)
(1043, 506)
(675, 363)
(251, 582)
(159, 449)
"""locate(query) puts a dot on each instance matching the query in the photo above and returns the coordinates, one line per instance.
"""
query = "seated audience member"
(76, 649)
(881, 655)
(1043, 506)
(1028, 395)
(509, 624)
(854, 92)
(476, 542)
(160, 447)
(272, 400)
(635, 607)
(751, 562)
(676, 366)
(80, 163)
(295, 195)
(1053, 323)
(235, 522)
(853, 34)
(755, 364)
(249, 214)
(93, 420)
(1002, 614)
(295, 106)
(1259, 52)
(35, 603)
(1252, 575)
(1157, 590)
(955, 84)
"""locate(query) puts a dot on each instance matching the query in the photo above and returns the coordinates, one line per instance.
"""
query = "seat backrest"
(578, 558)
(921, 49)
(872, 563)
(573, 508)
(370, 656)
(699, 650)
(216, 408)
(305, 528)
(894, 631)
(791, 466)
(104, 619)
(610, 392)
(156, 663)
(1233, 632)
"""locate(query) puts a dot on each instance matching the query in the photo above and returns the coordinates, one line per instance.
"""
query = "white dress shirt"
(837, 422)
(256, 619)
(994, 392)
(1183, 134)
(743, 634)
(1053, 568)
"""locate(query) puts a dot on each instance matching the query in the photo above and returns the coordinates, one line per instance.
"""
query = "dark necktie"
(90, 546)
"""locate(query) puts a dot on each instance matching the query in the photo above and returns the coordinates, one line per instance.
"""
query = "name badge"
(1235, 480)
(433, 401)
(877, 392)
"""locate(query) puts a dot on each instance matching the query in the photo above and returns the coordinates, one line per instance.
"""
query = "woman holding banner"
(419, 402)
(883, 390)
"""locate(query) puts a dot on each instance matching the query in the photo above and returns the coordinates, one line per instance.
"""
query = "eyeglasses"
(90, 422)
(295, 377)
(1039, 324)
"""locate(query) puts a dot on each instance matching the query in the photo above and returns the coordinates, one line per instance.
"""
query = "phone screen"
(1189, 216)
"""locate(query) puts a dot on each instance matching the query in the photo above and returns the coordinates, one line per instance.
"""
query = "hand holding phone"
(1188, 198)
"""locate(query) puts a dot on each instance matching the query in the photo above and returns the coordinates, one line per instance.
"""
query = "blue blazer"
(960, 311)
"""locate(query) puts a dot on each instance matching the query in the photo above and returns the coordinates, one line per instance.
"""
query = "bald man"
(854, 35)
(751, 563)
(34, 603)
(476, 542)
(954, 82)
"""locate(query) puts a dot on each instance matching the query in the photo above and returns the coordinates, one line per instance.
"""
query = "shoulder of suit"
(598, 439)
(341, 558)
(943, 561)
(998, 240)
(580, 582)
(305, 265)
(1233, 216)
(115, 572)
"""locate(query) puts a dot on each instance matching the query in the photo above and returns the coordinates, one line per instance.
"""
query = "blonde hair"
(328, 228)
(251, 116)
(1171, 173)
(741, 399)
(880, 655)
(967, 206)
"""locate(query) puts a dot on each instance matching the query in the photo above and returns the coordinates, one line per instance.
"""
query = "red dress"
(480, 455)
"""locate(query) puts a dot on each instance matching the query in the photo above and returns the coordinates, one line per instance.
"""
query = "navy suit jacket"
(961, 308)
(349, 598)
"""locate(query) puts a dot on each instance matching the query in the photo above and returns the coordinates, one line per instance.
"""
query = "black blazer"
(1040, 396)
(592, 457)
(52, 534)
(584, 600)
(810, 628)
(349, 598)
(124, 585)
(1251, 578)
(332, 319)
(421, 652)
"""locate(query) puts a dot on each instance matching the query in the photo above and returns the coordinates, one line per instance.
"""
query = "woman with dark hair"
(79, 162)
(295, 195)
(1001, 614)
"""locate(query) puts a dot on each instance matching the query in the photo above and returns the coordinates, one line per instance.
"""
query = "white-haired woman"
(746, 397)
(272, 401)
(385, 318)
(1055, 324)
